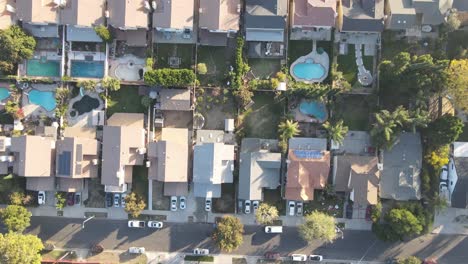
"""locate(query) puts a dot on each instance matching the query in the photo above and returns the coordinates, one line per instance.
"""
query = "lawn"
(354, 110)
(183, 51)
(347, 64)
(125, 100)
(273, 197)
(10, 184)
(264, 68)
(298, 48)
(216, 105)
(140, 182)
(332, 205)
(217, 63)
(264, 116)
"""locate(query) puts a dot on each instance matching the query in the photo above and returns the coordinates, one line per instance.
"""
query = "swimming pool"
(4, 93)
(315, 109)
(47, 68)
(87, 69)
(85, 104)
(44, 99)
(308, 70)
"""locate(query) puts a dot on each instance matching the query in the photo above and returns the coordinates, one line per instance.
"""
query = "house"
(7, 13)
(400, 179)
(218, 20)
(40, 18)
(308, 167)
(5, 158)
(355, 142)
(362, 16)
(462, 11)
(411, 15)
(129, 20)
(81, 16)
(213, 163)
(123, 147)
(313, 19)
(76, 159)
(33, 159)
(173, 22)
(358, 176)
(458, 175)
(264, 23)
(260, 164)
(174, 100)
(168, 160)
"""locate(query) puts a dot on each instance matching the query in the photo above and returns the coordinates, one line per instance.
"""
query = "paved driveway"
(451, 221)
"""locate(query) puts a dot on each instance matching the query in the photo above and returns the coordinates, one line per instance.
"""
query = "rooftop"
(219, 14)
(127, 15)
(175, 99)
(27, 161)
(84, 13)
(175, 14)
(77, 157)
(363, 15)
(265, 14)
(314, 13)
(37, 11)
(7, 18)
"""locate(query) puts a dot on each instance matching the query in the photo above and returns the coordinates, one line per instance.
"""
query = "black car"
(349, 211)
(109, 201)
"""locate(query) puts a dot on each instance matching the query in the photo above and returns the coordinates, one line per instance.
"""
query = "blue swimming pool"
(44, 99)
(43, 67)
(315, 109)
(308, 70)
(4, 93)
(87, 69)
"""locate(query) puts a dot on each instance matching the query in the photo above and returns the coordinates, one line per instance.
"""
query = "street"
(356, 245)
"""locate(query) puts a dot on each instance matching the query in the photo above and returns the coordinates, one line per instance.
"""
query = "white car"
(201, 251)
(155, 224)
(136, 250)
(299, 257)
(122, 199)
(316, 257)
(247, 206)
(291, 208)
(255, 205)
(136, 223)
(173, 203)
(444, 173)
(182, 203)
(273, 229)
(299, 208)
(41, 197)
(208, 204)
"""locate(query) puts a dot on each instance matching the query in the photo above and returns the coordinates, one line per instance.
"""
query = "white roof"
(460, 149)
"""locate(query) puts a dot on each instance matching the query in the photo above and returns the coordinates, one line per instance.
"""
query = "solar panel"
(64, 162)
(308, 154)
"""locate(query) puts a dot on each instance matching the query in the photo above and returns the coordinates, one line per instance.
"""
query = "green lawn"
(183, 51)
(264, 68)
(354, 110)
(216, 63)
(10, 184)
(263, 120)
(125, 100)
(298, 48)
(347, 64)
(140, 182)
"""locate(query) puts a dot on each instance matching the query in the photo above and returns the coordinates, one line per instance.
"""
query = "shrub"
(88, 85)
(146, 101)
(111, 84)
(376, 212)
(149, 63)
(201, 68)
(96, 249)
(104, 33)
(170, 77)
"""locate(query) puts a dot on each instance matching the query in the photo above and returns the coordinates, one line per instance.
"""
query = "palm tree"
(288, 129)
(384, 128)
(336, 131)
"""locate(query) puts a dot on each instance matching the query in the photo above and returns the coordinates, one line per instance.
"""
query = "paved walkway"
(451, 221)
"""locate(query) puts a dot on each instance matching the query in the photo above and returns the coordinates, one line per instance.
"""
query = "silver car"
(173, 203)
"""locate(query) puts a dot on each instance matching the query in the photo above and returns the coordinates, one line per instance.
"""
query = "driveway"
(451, 221)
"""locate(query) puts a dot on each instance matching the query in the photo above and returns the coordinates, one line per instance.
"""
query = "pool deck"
(120, 68)
(33, 109)
(301, 117)
(84, 120)
(317, 58)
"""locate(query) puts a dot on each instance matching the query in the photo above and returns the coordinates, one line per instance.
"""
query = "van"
(273, 229)
(299, 257)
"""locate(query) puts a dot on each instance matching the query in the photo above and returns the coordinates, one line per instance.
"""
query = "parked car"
(273, 229)
(77, 198)
(201, 251)
(255, 205)
(70, 199)
(136, 223)
(182, 202)
(272, 255)
(444, 191)
(155, 224)
(299, 207)
(349, 211)
(122, 199)
(173, 203)
(208, 204)
(299, 257)
(247, 206)
(41, 197)
(316, 257)
(292, 208)
(116, 199)
(136, 250)
(109, 199)
(444, 173)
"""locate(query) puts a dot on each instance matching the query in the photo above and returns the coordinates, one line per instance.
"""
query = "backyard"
(180, 54)
(264, 68)
(140, 182)
(215, 105)
(354, 110)
(262, 119)
(347, 64)
(125, 100)
(217, 62)
(298, 48)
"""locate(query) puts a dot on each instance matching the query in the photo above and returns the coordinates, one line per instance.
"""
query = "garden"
(174, 55)
(140, 182)
(217, 61)
(264, 68)
(354, 110)
(330, 204)
(347, 64)
(215, 105)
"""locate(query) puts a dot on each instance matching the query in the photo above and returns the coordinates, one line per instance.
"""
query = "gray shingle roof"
(460, 193)
(265, 14)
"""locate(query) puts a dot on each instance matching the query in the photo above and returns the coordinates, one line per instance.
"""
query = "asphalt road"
(356, 245)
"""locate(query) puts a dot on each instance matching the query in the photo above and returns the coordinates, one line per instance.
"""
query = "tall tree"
(318, 225)
(403, 223)
(458, 82)
(288, 129)
(336, 131)
(266, 214)
(20, 249)
(111, 84)
(134, 204)
(418, 119)
(444, 130)
(16, 218)
(15, 46)
(228, 233)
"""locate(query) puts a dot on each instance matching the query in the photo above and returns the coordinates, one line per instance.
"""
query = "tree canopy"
(111, 84)
(336, 131)
(444, 130)
(16, 248)
(16, 218)
(409, 260)
(15, 46)
(266, 214)
(403, 223)
(170, 77)
(228, 233)
(134, 204)
(458, 82)
(88, 85)
(318, 225)
(287, 129)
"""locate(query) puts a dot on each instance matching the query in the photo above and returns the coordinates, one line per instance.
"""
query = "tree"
(228, 233)
(134, 204)
(266, 214)
(418, 119)
(403, 223)
(438, 157)
(15, 46)
(457, 83)
(318, 225)
(111, 84)
(18, 198)
(16, 218)
(170, 77)
(201, 68)
(287, 129)
(388, 125)
(453, 23)
(243, 96)
(14, 110)
(409, 260)
(336, 131)
(88, 85)
(104, 33)
(146, 101)
(60, 200)
(444, 130)
(16, 248)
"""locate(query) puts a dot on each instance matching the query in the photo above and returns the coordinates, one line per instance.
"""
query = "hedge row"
(170, 77)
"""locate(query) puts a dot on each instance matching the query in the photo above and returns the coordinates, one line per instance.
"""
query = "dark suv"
(109, 201)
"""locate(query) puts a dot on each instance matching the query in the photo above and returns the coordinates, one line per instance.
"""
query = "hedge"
(170, 77)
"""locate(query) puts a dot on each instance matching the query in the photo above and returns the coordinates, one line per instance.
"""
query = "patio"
(85, 119)
(177, 37)
(174, 55)
(127, 68)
